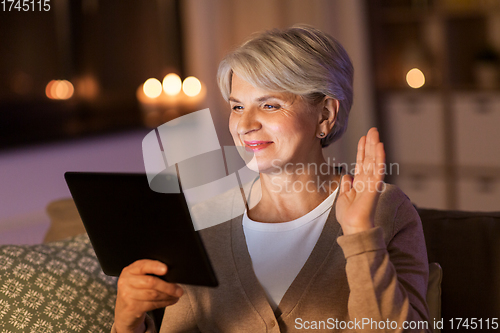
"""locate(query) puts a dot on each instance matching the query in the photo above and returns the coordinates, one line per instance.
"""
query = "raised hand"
(139, 293)
(358, 197)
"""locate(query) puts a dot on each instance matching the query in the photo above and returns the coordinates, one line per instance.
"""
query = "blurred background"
(83, 81)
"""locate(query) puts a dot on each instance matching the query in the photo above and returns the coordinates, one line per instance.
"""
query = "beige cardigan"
(369, 277)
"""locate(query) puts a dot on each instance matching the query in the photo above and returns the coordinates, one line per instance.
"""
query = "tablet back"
(127, 221)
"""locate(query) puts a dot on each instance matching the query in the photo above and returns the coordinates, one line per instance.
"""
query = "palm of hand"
(358, 197)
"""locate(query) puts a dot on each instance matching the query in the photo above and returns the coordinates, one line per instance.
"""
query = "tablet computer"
(127, 221)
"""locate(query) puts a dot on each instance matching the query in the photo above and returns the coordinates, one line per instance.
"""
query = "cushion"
(64, 220)
(434, 293)
(56, 287)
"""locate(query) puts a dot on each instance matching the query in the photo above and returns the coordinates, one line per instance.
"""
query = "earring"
(321, 134)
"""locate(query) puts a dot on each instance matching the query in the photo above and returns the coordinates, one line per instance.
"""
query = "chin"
(257, 162)
(263, 166)
(258, 166)
(254, 165)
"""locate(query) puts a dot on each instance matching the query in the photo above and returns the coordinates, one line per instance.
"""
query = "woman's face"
(280, 129)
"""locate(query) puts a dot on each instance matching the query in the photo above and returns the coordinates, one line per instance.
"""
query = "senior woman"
(335, 253)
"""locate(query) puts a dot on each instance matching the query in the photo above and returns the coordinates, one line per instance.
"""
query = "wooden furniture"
(443, 136)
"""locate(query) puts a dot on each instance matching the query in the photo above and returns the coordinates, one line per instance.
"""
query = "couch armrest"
(65, 221)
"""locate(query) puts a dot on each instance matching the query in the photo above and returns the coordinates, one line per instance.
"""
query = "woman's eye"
(237, 108)
(271, 107)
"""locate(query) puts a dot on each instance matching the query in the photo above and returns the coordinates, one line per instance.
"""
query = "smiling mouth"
(257, 145)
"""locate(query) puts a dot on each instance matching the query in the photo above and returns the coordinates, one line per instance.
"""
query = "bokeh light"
(191, 86)
(415, 78)
(59, 89)
(172, 84)
(87, 87)
(152, 88)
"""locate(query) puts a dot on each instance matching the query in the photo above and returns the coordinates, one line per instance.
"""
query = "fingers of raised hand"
(380, 160)
(360, 156)
(370, 158)
(376, 153)
(372, 139)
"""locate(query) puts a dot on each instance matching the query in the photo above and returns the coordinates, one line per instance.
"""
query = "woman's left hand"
(357, 200)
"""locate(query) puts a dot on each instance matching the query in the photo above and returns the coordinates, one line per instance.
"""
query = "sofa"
(59, 287)
(467, 246)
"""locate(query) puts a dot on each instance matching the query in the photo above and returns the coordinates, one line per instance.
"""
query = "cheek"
(300, 122)
(299, 128)
(233, 124)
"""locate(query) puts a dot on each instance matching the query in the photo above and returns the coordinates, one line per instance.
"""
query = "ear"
(328, 116)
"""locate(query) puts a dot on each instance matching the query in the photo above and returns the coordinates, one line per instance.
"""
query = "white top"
(280, 250)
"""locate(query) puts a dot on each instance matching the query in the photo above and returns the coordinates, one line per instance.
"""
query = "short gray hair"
(300, 60)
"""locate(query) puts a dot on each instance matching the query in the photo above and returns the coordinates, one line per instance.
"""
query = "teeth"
(254, 145)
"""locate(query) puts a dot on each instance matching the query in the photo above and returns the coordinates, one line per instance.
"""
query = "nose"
(248, 122)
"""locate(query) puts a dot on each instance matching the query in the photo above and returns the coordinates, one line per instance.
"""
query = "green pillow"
(57, 287)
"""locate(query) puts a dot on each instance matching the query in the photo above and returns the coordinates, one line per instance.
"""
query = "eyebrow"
(260, 99)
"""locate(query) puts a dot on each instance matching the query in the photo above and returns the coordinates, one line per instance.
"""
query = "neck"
(294, 191)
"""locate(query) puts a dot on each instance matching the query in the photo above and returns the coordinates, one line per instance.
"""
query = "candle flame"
(172, 84)
(152, 88)
(191, 86)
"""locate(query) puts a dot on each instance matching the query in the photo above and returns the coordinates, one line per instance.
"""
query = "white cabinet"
(424, 190)
(477, 147)
(477, 129)
(419, 139)
(415, 128)
(416, 144)
(480, 193)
